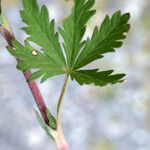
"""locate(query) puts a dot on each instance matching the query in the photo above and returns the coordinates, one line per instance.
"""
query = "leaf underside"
(56, 58)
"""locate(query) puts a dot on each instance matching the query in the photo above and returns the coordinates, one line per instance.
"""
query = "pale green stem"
(59, 107)
(60, 139)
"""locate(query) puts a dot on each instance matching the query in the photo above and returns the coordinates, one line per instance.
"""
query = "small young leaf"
(50, 132)
(52, 120)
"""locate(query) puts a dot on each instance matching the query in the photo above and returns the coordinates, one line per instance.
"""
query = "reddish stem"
(9, 37)
(37, 96)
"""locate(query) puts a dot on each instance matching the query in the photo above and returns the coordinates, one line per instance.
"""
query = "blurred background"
(109, 118)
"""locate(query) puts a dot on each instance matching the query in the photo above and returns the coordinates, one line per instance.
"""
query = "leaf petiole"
(60, 139)
(59, 106)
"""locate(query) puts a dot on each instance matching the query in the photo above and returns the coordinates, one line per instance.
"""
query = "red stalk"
(9, 37)
(37, 96)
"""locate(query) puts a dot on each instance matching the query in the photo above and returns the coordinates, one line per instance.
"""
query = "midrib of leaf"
(75, 26)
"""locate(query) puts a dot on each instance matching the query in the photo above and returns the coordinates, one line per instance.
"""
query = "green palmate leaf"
(41, 30)
(97, 78)
(74, 28)
(75, 53)
(104, 39)
(46, 67)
